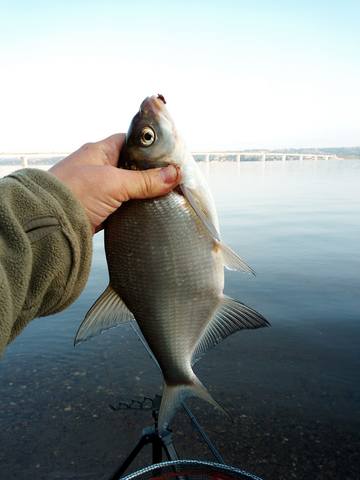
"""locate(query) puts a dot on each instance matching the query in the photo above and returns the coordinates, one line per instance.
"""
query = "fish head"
(152, 140)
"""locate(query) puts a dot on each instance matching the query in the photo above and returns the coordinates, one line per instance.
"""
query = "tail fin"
(173, 395)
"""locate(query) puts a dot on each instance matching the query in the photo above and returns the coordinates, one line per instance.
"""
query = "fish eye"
(147, 136)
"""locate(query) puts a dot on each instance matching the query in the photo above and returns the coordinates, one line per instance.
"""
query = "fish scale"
(142, 284)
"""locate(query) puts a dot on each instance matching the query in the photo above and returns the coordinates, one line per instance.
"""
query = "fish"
(166, 264)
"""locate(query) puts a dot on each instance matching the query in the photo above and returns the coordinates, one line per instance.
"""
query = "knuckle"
(92, 148)
(87, 146)
(88, 149)
(147, 184)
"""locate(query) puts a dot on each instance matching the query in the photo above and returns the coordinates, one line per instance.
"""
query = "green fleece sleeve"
(45, 249)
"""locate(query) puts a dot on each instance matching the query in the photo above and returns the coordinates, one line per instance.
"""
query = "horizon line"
(197, 152)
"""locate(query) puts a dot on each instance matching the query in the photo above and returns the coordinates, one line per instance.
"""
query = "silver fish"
(166, 264)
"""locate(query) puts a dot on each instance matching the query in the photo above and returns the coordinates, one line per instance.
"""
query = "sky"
(235, 74)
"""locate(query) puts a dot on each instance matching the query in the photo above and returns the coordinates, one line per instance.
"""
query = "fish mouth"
(154, 104)
(143, 164)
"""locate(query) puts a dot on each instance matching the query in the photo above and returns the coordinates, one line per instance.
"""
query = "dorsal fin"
(107, 312)
(230, 317)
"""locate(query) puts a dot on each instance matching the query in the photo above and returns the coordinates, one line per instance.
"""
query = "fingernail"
(169, 174)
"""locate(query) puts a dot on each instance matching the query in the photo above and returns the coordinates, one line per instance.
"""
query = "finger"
(117, 140)
(111, 146)
(147, 183)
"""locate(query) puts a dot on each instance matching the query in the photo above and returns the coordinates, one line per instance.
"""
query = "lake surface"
(292, 389)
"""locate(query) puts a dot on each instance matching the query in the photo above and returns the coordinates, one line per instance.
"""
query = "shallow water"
(293, 389)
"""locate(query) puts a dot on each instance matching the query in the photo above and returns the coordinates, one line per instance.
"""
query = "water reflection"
(298, 225)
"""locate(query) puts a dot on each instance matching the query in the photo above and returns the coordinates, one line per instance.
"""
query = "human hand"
(92, 175)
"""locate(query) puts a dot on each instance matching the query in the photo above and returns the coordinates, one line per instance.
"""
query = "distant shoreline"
(49, 158)
(48, 162)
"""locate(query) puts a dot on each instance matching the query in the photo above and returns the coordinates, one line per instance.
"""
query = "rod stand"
(160, 443)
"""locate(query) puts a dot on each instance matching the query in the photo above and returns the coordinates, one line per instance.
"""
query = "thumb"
(148, 183)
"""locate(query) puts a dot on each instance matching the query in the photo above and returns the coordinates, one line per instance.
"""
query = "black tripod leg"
(156, 450)
(144, 440)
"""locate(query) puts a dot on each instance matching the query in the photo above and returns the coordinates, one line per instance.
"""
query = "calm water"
(293, 389)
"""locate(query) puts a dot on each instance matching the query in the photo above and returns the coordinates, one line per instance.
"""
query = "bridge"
(49, 158)
(24, 159)
(261, 155)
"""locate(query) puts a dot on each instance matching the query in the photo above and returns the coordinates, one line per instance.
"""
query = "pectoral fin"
(230, 317)
(201, 210)
(107, 312)
(231, 260)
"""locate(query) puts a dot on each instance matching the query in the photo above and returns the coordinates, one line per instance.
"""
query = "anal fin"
(107, 312)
